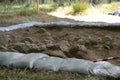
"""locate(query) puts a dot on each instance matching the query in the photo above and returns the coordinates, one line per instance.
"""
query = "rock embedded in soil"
(108, 42)
(82, 48)
(33, 48)
(42, 48)
(21, 47)
(3, 48)
(64, 46)
(81, 41)
(48, 41)
(78, 51)
(57, 53)
(27, 47)
(107, 38)
(29, 39)
(4, 39)
(52, 46)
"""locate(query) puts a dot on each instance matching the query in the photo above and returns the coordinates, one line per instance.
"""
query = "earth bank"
(83, 43)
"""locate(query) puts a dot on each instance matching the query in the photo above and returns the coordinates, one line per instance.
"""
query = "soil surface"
(83, 43)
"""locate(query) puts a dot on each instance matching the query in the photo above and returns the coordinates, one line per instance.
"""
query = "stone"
(57, 53)
(42, 48)
(52, 46)
(43, 30)
(4, 39)
(108, 42)
(29, 39)
(21, 47)
(81, 41)
(48, 41)
(33, 47)
(64, 46)
(82, 48)
(107, 38)
(3, 48)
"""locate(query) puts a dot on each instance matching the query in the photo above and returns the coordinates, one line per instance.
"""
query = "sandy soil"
(93, 15)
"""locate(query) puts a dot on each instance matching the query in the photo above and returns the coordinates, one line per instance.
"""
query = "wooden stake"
(37, 6)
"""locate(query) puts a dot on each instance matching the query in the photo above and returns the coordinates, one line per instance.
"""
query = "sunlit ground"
(93, 15)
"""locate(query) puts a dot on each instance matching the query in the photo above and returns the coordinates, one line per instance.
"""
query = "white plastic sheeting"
(105, 69)
(39, 61)
(59, 23)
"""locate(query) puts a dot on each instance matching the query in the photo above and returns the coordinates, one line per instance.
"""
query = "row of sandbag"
(58, 24)
(39, 61)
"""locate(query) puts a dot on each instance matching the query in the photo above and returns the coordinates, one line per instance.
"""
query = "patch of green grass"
(9, 8)
(80, 8)
(26, 12)
(48, 7)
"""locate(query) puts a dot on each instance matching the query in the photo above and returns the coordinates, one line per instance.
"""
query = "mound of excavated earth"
(84, 43)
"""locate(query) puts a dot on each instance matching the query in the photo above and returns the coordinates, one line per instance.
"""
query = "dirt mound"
(84, 43)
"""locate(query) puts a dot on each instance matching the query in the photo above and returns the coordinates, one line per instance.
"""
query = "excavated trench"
(89, 43)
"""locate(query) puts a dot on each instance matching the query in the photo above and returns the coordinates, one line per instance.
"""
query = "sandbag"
(76, 65)
(105, 69)
(6, 58)
(27, 60)
(39, 61)
(62, 24)
(48, 63)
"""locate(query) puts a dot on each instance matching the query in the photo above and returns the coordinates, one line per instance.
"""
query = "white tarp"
(39, 61)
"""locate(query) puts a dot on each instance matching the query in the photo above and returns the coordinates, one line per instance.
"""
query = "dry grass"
(107, 8)
(17, 74)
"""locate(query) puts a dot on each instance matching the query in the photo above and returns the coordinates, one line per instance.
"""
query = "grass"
(12, 13)
(48, 7)
(12, 8)
(18, 74)
(107, 8)
(79, 8)
(7, 7)
(113, 7)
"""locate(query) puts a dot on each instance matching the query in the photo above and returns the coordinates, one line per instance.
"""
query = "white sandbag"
(7, 57)
(48, 63)
(27, 60)
(76, 65)
(19, 26)
(116, 23)
(105, 69)
(38, 61)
